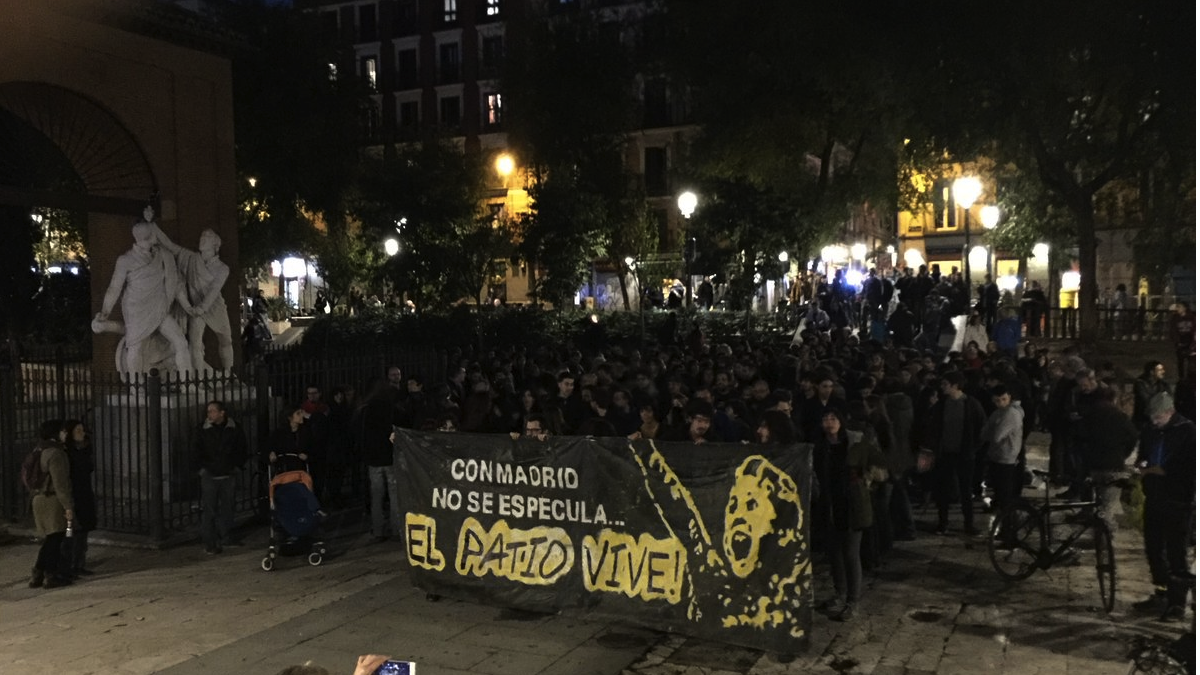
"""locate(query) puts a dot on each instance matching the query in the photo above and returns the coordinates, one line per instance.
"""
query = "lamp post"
(966, 190)
(687, 206)
(989, 215)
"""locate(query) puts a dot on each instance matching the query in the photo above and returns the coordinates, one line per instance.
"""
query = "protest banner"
(708, 540)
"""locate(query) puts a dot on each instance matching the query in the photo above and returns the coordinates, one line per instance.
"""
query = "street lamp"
(687, 206)
(505, 165)
(966, 190)
(989, 215)
(687, 203)
(859, 252)
(391, 247)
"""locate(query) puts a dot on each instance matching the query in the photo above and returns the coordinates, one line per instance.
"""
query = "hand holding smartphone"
(391, 667)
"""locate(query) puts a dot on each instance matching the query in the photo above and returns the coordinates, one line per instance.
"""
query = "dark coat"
(1173, 447)
(221, 449)
(973, 420)
(1106, 438)
(83, 465)
(375, 428)
(844, 473)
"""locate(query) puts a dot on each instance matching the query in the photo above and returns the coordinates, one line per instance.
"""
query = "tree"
(428, 197)
(569, 91)
(298, 127)
(801, 124)
(1083, 96)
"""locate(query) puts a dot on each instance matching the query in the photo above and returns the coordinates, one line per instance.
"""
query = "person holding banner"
(844, 466)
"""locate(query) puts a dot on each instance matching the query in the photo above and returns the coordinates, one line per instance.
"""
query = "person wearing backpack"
(53, 508)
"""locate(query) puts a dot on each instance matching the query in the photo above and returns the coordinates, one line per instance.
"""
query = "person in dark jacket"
(221, 448)
(1167, 460)
(78, 444)
(1151, 382)
(1107, 439)
(377, 420)
(844, 467)
(954, 426)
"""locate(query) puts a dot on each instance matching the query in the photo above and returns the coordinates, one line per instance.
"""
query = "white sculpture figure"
(148, 284)
(204, 275)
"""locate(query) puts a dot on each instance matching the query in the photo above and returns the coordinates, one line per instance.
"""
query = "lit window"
(493, 7)
(450, 10)
(369, 71)
(494, 109)
(332, 72)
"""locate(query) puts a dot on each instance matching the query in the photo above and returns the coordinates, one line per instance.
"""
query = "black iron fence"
(1115, 324)
(142, 426)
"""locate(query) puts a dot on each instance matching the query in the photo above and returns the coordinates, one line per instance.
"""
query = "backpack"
(33, 476)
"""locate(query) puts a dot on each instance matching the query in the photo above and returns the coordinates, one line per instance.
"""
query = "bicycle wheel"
(1106, 565)
(1016, 541)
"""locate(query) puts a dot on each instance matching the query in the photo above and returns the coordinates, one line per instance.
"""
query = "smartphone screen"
(397, 668)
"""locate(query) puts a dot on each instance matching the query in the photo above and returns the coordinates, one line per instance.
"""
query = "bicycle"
(1019, 541)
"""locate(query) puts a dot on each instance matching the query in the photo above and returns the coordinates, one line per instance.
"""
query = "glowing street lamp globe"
(687, 203)
(989, 215)
(966, 190)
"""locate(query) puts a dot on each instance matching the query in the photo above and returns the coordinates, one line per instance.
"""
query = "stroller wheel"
(268, 564)
(314, 559)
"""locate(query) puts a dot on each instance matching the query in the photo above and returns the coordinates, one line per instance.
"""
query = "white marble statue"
(204, 276)
(155, 304)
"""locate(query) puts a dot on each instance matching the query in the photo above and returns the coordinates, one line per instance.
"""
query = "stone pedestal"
(126, 447)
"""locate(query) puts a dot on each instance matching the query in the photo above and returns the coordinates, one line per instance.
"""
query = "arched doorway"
(65, 162)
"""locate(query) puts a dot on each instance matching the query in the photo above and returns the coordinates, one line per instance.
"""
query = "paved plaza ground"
(936, 606)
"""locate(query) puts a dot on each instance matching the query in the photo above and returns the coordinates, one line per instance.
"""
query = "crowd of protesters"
(871, 408)
(895, 419)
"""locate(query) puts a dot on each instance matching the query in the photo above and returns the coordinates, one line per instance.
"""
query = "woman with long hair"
(78, 444)
(844, 467)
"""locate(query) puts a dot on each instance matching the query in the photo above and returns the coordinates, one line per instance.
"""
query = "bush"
(485, 328)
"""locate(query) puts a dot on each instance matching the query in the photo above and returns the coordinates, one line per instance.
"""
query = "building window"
(493, 7)
(493, 115)
(410, 115)
(492, 53)
(367, 31)
(406, 17)
(450, 113)
(333, 72)
(656, 171)
(448, 60)
(449, 11)
(945, 217)
(370, 71)
(406, 70)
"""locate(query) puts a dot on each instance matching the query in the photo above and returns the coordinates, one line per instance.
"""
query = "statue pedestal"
(125, 449)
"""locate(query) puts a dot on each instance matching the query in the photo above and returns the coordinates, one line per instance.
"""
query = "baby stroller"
(295, 513)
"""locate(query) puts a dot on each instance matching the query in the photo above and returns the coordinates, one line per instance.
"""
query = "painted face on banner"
(751, 511)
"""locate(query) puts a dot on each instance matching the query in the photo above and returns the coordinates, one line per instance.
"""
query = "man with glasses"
(536, 428)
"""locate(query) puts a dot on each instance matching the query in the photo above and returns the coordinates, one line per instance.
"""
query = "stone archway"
(120, 105)
(113, 174)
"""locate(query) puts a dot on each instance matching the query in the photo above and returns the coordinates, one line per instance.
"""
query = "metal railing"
(1124, 324)
(143, 425)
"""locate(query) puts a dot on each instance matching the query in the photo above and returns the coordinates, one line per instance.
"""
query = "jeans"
(845, 562)
(1109, 497)
(379, 475)
(216, 498)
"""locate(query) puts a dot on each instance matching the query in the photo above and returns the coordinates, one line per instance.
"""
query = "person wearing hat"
(1167, 460)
